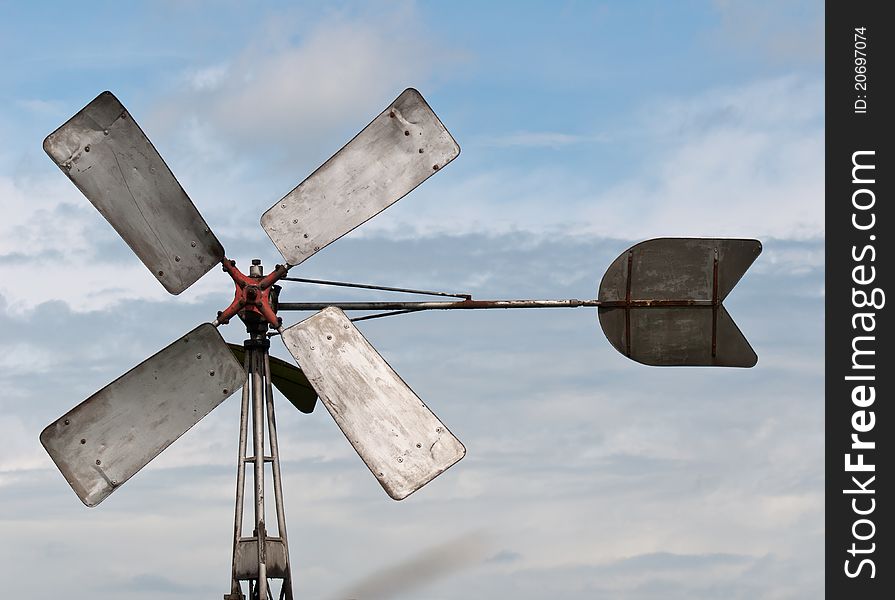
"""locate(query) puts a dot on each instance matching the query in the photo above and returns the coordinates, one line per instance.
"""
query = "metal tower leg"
(261, 557)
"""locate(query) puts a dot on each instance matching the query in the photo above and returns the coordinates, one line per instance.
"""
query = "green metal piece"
(288, 379)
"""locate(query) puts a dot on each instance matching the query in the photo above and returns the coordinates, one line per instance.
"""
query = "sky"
(585, 127)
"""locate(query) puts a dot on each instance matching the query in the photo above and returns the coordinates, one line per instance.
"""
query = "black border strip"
(859, 366)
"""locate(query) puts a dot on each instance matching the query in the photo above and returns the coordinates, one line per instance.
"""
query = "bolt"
(419, 445)
(105, 132)
(176, 259)
(282, 206)
(434, 167)
(400, 459)
(306, 237)
(406, 132)
(198, 356)
(83, 441)
(66, 421)
(329, 337)
(193, 244)
(421, 150)
(226, 391)
(211, 373)
(87, 148)
(392, 114)
(99, 462)
(160, 273)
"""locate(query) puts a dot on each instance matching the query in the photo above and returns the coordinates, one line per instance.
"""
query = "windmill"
(659, 303)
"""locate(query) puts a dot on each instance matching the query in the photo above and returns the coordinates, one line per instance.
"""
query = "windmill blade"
(288, 379)
(401, 441)
(661, 302)
(109, 158)
(396, 152)
(102, 442)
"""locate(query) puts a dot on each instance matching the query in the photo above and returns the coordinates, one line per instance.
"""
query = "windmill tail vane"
(660, 303)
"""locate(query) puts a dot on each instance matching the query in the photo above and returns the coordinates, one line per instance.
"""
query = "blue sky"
(584, 127)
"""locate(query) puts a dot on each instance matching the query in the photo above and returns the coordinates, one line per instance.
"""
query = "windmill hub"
(255, 296)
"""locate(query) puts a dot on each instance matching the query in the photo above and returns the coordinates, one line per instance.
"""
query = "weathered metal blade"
(109, 158)
(401, 441)
(102, 442)
(662, 302)
(396, 152)
(288, 379)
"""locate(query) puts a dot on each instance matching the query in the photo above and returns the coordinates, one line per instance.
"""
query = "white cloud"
(208, 78)
(285, 89)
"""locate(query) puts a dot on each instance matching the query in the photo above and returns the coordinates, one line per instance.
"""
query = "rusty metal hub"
(255, 297)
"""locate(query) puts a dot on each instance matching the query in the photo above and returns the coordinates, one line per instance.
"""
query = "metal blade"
(401, 441)
(102, 442)
(109, 158)
(288, 379)
(396, 152)
(665, 302)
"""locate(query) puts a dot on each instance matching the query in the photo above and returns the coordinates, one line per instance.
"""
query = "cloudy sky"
(585, 127)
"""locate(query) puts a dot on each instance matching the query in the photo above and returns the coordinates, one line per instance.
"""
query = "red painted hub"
(252, 294)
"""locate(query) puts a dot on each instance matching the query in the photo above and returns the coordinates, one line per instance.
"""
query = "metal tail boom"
(440, 305)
